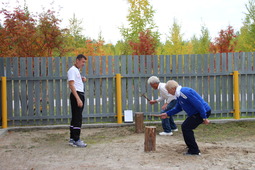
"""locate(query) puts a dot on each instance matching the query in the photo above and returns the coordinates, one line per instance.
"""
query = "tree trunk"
(139, 127)
(150, 139)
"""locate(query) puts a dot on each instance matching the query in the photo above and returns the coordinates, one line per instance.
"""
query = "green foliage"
(174, 44)
(246, 39)
(140, 20)
(201, 45)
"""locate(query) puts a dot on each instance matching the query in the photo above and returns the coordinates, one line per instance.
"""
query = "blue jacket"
(191, 102)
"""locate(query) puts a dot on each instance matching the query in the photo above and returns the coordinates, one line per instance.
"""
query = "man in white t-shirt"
(167, 124)
(75, 81)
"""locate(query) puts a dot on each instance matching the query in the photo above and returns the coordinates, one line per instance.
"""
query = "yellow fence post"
(119, 98)
(4, 103)
(236, 95)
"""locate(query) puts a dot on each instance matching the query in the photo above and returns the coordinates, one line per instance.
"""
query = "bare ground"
(121, 148)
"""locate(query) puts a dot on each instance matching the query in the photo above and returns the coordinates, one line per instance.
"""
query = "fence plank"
(249, 82)
(199, 78)
(124, 81)
(16, 89)
(224, 82)
(143, 84)
(50, 88)
(91, 84)
(104, 89)
(211, 64)
(187, 64)
(149, 89)
(57, 88)
(136, 84)
(230, 70)
(205, 78)
(111, 83)
(130, 83)
(155, 72)
(243, 66)
(97, 87)
(10, 98)
(37, 88)
(64, 88)
(30, 87)
(217, 82)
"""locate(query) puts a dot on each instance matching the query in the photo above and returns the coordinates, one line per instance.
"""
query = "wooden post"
(139, 127)
(150, 138)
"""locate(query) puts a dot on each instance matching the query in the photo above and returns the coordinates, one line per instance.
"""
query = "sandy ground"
(118, 148)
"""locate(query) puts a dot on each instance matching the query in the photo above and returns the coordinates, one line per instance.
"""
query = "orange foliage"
(225, 43)
(146, 45)
(21, 36)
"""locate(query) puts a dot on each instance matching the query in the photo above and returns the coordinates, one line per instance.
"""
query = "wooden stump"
(139, 126)
(150, 138)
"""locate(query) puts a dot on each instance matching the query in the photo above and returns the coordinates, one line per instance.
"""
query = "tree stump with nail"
(139, 126)
(150, 139)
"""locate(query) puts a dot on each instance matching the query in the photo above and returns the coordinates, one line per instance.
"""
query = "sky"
(107, 16)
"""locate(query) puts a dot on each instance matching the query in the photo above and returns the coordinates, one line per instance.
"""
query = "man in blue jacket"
(196, 108)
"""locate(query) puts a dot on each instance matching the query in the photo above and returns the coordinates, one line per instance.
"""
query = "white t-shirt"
(164, 95)
(75, 75)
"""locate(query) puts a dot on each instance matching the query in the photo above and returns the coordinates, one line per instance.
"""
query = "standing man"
(196, 108)
(75, 81)
(168, 123)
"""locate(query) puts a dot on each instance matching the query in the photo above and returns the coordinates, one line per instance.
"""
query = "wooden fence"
(37, 91)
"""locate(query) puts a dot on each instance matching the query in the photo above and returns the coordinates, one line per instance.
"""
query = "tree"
(18, 34)
(140, 20)
(146, 44)
(174, 43)
(246, 39)
(49, 36)
(22, 36)
(225, 43)
(201, 45)
(75, 42)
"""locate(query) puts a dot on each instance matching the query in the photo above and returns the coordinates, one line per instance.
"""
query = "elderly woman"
(170, 101)
(196, 108)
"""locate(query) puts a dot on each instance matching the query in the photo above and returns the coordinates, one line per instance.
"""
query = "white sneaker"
(166, 134)
(80, 143)
(175, 130)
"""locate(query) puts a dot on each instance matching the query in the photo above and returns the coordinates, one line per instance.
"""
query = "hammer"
(143, 95)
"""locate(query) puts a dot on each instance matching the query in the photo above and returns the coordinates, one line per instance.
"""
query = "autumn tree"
(140, 20)
(23, 36)
(225, 43)
(146, 44)
(17, 34)
(49, 35)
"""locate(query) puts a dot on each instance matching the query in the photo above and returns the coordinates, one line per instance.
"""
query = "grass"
(204, 133)
(225, 131)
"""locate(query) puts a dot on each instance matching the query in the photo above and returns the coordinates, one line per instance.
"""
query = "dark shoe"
(192, 154)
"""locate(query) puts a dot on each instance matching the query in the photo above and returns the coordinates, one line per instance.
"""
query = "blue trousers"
(191, 123)
(168, 123)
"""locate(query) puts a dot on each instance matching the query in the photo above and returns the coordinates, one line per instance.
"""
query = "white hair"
(153, 80)
(171, 84)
